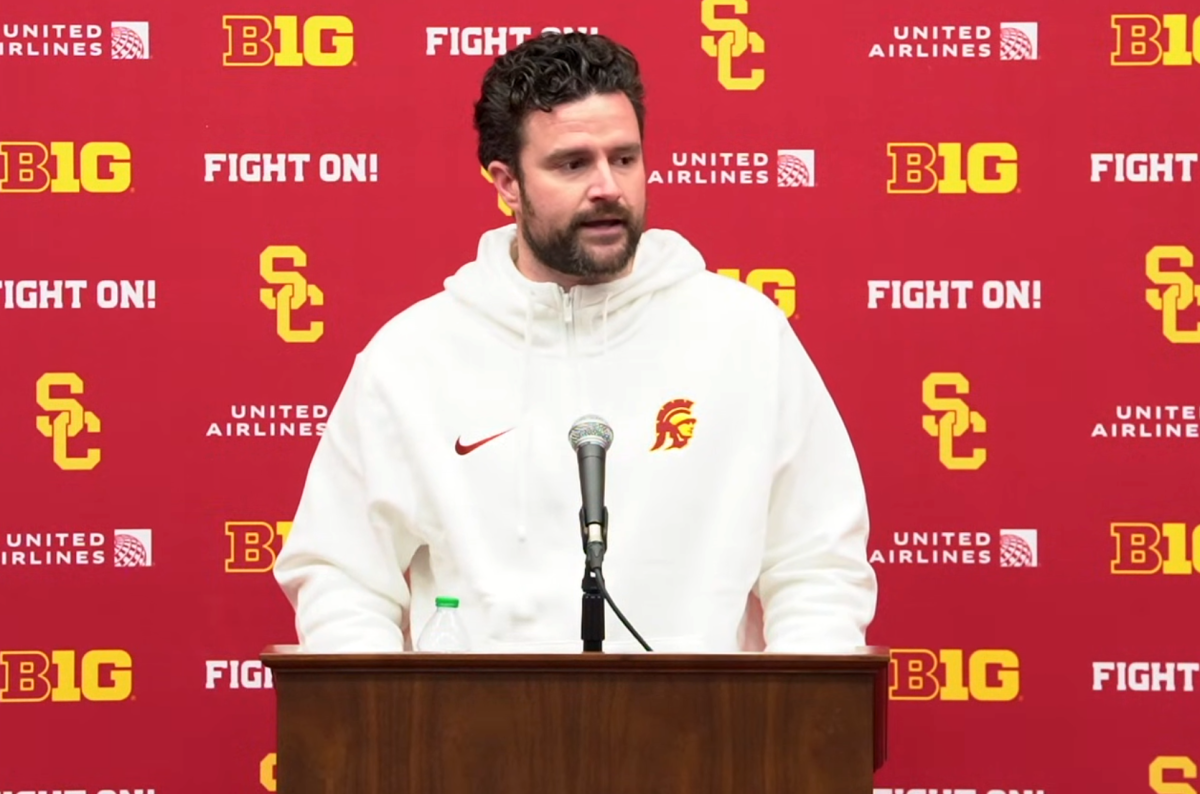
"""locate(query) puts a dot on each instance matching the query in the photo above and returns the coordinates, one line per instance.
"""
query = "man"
(732, 485)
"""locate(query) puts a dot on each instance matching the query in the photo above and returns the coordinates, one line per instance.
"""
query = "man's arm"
(342, 565)
(817, 589)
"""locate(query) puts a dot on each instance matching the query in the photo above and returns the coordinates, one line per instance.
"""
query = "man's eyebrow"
(567, 154)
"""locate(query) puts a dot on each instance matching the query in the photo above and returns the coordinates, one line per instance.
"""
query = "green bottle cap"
(447, 602)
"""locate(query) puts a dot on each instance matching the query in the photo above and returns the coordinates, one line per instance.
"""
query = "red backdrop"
(994, 287)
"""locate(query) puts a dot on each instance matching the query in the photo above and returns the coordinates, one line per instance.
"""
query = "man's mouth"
(604, 224)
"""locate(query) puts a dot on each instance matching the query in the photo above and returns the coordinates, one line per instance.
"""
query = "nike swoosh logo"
(463, 449)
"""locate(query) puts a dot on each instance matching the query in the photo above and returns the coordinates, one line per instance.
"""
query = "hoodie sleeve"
(343, 563)
(817, 588)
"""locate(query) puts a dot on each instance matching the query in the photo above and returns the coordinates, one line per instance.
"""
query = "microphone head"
(590, 430)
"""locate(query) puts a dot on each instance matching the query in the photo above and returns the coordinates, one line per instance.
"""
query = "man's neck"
(534, 269)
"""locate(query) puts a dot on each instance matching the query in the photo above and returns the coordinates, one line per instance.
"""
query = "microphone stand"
(592, 615)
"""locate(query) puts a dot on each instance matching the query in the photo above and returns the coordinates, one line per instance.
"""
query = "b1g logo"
(65, 676)
(1140, 548)
(734, 41)
(259, 41)
(266, 772)
(956, 420)
(501, 204)
(1139, 40)
(66, 419)
(929, 168)
(1181, 291)
(780, 282)
(35, 167)
(954, 674)
(1168, 773)
(295, 291)
(254, 545)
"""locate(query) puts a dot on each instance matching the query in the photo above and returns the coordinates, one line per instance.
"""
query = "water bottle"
(444, 633)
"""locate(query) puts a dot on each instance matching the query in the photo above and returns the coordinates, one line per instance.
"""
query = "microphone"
(591, 437)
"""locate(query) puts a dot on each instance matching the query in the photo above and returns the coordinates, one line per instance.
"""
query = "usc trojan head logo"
(733, 42)
(69, 420)
(1180, 293)
(956, 421)
(674, 425)
(294, 293)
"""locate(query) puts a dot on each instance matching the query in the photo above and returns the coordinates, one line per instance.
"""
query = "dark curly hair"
(545, 71)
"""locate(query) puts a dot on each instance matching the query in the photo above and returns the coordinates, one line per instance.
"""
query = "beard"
(564, 250)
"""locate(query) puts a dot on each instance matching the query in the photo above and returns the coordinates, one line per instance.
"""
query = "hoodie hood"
(585, 320)
(579, 326)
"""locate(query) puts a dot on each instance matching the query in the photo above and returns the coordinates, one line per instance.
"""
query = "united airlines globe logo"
(130, 41)
(1016, 45)
(132, 548)
(1018, 548)
(793, 171)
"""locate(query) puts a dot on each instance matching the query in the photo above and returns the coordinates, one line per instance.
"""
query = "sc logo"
(295, 291)
(956, 420)
(734, 41)
(67, 419)
(1176, 291)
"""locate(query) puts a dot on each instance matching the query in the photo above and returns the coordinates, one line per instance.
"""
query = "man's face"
(583, 187)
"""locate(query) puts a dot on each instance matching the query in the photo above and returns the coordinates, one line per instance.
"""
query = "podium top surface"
(867, 659)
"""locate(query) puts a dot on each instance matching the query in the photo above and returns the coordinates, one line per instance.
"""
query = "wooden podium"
(595, 723)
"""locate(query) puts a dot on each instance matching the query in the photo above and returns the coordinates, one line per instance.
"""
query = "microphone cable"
(611, 603)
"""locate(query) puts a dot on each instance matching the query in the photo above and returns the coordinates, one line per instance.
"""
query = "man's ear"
(505, 180)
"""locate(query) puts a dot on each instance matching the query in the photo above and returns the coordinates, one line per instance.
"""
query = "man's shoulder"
(727, 296)
(420, 322)
(419, 315)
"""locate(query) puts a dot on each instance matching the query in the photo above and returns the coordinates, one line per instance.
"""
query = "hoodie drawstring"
(604, 324)
(523, 432)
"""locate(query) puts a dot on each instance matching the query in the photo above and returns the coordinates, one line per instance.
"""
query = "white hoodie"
(762, 508)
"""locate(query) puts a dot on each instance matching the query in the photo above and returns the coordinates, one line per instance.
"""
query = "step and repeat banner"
(981, 220)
